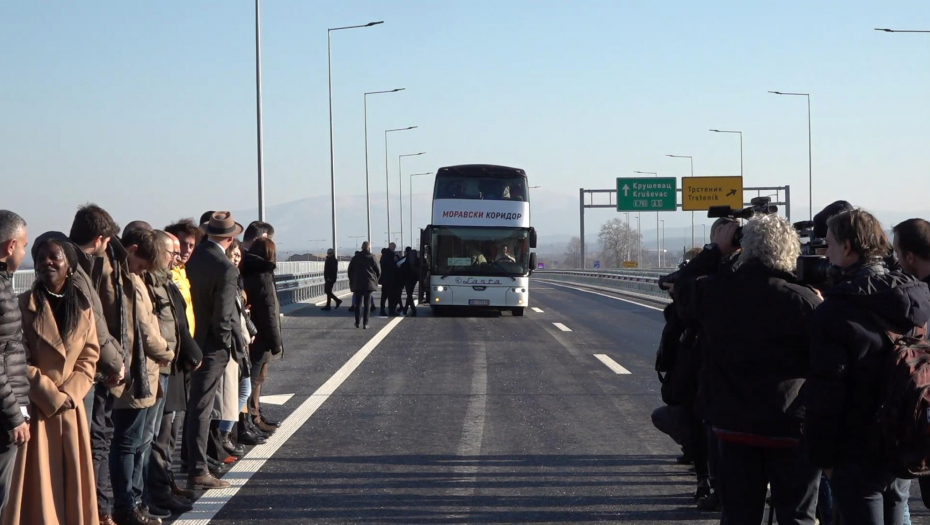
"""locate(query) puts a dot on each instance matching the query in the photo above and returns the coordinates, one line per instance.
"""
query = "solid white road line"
(206, 508)
(537, 310)
(473, 428)
(277, 399)
(605, 295)
(562, 327)
(611, 364)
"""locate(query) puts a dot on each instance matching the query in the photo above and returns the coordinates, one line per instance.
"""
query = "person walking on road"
(388, 279)
(53, 481)
(14, 385)
(330, 273)
(214, 285)
(365, 273)
(410, 273)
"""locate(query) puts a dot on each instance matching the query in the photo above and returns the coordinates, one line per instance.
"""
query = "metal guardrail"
(296, 282)
(640, 282)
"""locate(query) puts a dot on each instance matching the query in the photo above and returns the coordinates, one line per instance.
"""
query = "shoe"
(326, 308)
(178, 492)
(684, 459)
(155, 512)
(366, 326)
(251, 438)
(269, 422)
(174, 505)
(106, 519)
(206, 482)
(383, 313)
(703, 490)
(709, 503)
(134, 517)
(352, 309)
(338, 303)
(233, 449)
(356, 324)
(413, 311)
(264, 427)
(250, 434)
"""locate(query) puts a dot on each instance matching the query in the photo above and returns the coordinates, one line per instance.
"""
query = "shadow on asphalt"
(473, 489)
(313, 311)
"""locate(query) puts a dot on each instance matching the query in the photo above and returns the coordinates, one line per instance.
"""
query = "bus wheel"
(518, 312)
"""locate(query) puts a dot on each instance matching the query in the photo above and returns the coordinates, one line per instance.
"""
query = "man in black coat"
(848, 358)
(14, 386)
(330, 274)
(214, 289)
(389, 273)
(756, 324)
(365, 273)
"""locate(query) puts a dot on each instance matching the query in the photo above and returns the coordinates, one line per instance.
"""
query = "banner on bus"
(461, 212)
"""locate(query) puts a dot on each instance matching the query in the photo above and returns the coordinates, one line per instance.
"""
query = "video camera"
(757, 206)
(812, 268)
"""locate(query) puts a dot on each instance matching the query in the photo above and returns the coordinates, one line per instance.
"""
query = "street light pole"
(332, 150)
(367, 184)
(387, 175)
(690, 158)
(657, 215)
(258, 109)
(810, 165)
(639, 240)
(663, 243)
(400, 195)
(410, 190)
(629, 230)
(357, 237)
(740, 147)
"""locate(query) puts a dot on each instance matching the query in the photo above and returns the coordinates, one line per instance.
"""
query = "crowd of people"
(136, 354)
(812, 389)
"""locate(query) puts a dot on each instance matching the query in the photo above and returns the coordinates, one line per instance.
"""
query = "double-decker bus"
(476, 251)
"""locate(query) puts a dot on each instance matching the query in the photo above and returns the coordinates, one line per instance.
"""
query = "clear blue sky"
(149, 107)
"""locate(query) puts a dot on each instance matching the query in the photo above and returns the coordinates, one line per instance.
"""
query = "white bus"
(476, 251)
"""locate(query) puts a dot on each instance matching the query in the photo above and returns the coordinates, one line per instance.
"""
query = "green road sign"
(647, 194)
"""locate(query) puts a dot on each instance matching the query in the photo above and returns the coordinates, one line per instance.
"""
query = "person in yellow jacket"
(189, 236)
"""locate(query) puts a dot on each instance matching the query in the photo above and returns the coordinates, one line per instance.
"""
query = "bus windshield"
(480, 251)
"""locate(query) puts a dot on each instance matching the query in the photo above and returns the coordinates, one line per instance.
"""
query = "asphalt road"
(466, 419)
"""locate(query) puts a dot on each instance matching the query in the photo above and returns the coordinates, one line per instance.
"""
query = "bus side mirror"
(532, 237)
(532, 262)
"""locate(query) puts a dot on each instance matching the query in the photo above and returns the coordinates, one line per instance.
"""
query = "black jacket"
(756, 327)
(14, 386)
(365, 272)
(331, 270)
(258, 278)
(389, 270)
(410, 269)
(848, 358)
(214, 285)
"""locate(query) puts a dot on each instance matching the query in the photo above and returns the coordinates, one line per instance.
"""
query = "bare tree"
(618, 243)
(573, 253)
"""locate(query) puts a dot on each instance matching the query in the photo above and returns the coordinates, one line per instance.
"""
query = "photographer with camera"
(755, 321)
(681, 358)
(850, 351)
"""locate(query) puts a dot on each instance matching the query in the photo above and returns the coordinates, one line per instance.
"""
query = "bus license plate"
(479, 302)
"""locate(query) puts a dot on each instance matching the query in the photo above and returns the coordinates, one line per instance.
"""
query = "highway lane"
(480, 419)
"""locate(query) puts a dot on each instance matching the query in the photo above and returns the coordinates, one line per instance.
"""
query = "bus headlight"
(439, 288)
(518, 290)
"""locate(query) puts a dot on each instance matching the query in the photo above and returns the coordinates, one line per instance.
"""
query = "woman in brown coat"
(53, 481)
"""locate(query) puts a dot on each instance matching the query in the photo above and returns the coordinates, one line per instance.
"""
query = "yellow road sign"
(700, 193)
(630, 264)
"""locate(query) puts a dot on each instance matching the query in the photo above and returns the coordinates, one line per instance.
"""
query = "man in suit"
(214, 282)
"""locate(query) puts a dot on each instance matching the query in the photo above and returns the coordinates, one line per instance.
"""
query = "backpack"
(903, 419)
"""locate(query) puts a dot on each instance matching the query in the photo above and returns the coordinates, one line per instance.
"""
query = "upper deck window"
(481, 188)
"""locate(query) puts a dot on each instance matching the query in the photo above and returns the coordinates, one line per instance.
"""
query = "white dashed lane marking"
(537, 310)
(562, 327)
(611, 364)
